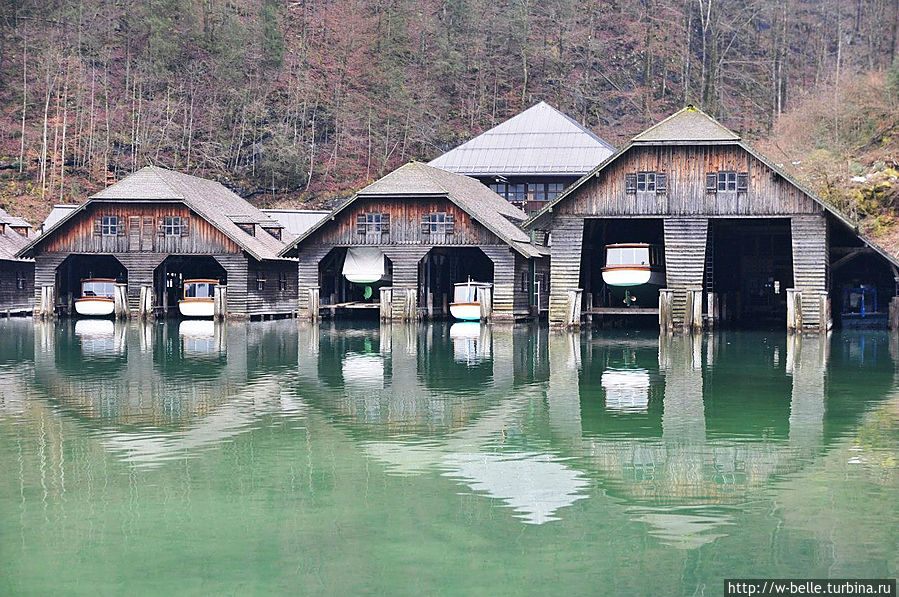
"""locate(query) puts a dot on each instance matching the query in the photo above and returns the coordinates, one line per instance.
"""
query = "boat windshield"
(466, 293)
(198, 290)
(627, 256)
(101, 289)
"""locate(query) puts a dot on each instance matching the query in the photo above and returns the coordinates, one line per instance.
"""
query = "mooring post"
(666, 301)
(697, 310)
(220, 303)
(385, 300)
(825, 320)
(147, 300)
(794, 310)
(486, 297)
(711, 308)
(410, 309)
(314, 303)
(894, 313)
(688, 311)
(573, 318)
(120, 301)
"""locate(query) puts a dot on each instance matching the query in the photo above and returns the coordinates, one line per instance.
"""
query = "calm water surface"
(272, 458)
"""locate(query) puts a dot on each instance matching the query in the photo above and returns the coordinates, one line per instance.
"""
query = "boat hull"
(626, 284)
(196, 308)
(94, 307)
(466, 311)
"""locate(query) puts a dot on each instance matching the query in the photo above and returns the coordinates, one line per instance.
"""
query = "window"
(282, 281)
(172, 225)
(536, 192)
(553, 190)
(198, 290)
(248, 228)
(499, 188)
(21, 280)
(260, 281)
(274, 232)
(438, 223)
(727, 181)
(646, 182)
(109, 225)
(373, 223)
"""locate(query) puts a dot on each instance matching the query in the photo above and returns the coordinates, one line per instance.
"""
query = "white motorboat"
(199, 298)
(97, 297)
(634, 272)
(467, 297)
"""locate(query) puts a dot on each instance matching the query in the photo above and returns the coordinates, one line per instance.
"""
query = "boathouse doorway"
(598, 296)
(862, 282)
(77, 267)
(441, 269)
(749, 265)
(349, 282)
(169, 277)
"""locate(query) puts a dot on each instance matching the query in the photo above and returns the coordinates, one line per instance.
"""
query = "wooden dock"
(621, 311)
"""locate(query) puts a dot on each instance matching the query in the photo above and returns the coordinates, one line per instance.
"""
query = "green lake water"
(275, 458)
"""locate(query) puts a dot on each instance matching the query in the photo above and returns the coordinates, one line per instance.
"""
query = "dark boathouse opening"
(862, 282)
(442, 268)
(355, 299)
(749, 265)
(169, 277)
(615, 301)
(77, 267)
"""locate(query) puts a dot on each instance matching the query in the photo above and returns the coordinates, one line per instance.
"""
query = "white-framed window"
(172, 225)
(109, 225)
(727, 181)
(646, 182)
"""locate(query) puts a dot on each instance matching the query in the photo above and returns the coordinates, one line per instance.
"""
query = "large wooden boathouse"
(420, 230)
(16, 274)
(153, 230)
(530, 158)
(742, 241)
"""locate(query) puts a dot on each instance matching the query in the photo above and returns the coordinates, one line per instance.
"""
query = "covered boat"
(634, 272)
(467, 297)
(199, 298)
(97, 297)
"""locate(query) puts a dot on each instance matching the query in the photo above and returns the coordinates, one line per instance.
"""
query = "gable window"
(172, 225)
(109, 225)
(373, 223)
(438, 223)
(726, 181)
(646, 182)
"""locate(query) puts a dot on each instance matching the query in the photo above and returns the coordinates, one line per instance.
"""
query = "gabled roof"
(296, 221)
(209, 199)
(415, 180)
(11, 242)
(697, 127)
(539, 141)
(689, 125)
(56, 214)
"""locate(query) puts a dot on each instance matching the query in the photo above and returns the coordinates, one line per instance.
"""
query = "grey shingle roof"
(11, 242)
(421, 180)
(539, 141)
(209, 199)
(687, 125)
(56, 214)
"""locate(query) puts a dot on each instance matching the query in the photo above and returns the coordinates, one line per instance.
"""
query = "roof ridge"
(428, 172)
(155, 171)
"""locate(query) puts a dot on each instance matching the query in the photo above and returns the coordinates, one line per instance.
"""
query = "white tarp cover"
(363, 265)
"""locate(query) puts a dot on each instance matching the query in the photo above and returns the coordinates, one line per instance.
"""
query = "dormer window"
(274, 232)
(646, 182)
(248, 228)
(726, 181)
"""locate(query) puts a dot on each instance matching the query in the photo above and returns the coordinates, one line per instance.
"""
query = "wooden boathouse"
(153, 230)
(743, 242)
(16, 274)
(423, 229)
(530, 158)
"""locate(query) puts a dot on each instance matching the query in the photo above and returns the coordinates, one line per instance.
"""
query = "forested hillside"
(301, 101)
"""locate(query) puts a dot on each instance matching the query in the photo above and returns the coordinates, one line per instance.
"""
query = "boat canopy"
(98, 288)
(467, 292)
(363, 265)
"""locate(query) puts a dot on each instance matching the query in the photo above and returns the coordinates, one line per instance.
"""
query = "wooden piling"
(46, 308)
(694, 305)
(410, 309)
(385, 306)
(794, 310)
(894, 313)
(711, 309)
(486, 298)
(120, 301)
(146, 310)
(666, 303)
(573, 314)
(314, 303)
(220, 303)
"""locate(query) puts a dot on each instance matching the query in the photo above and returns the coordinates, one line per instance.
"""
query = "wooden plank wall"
(271, 299)
(141, 267)
(565, 264)
(405, 272)
(12, 298)
(810, 264)
(236, 268)
(685, 247)
(686, 166)
(77, 235)
(45, 273)
(405, 224)
(309, 258)
(505, 275)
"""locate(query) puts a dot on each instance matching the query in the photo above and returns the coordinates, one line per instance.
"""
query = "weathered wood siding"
(565, 264)
(685, 247)
(236, 268)
(141, 267)
(308, 275)
(271, 299)
(405, 225)
(45, 273)
(810, 264)
(768, 193)
(505, 276)
(140, 234)
(404, 260)
(13, 298)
